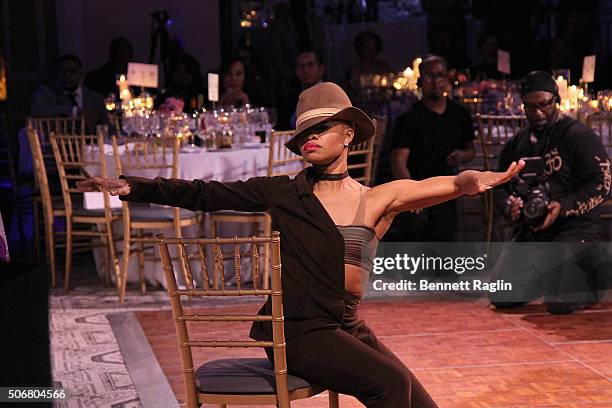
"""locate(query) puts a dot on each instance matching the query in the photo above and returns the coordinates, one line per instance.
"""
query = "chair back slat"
(40, 173)
(360, 160)
(601, 124)
(73, 152)
(282, 161)
(204, 274)
(493, 132)
(182, 314)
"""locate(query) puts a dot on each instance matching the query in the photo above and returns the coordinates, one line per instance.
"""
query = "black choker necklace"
(332, 177)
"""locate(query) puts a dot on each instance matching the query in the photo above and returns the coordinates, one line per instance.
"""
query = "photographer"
(558, 202)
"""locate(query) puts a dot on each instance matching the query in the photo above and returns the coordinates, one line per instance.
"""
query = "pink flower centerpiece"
(172, 105)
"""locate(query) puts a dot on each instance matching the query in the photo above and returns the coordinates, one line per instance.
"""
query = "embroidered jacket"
(576, 164)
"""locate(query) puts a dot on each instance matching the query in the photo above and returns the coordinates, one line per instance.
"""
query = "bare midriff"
(355, 279)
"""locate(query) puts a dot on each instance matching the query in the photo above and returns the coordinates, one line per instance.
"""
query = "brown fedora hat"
(327, 101)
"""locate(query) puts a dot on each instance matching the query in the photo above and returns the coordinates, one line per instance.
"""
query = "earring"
(346, 145)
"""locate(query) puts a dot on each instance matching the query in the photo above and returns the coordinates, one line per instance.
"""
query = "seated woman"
(236, 84)
(185, 83)
(330, 226)
(367, 46)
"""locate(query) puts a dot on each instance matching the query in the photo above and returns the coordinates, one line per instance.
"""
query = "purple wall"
(86, 27)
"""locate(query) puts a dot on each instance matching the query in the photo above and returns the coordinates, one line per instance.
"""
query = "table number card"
(94, 200)
(213, 87)
(503, 62)
(145, 75)
(588, 68)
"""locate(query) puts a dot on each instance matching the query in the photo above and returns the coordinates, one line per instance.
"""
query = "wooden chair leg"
(68, 255)
(112, 252)
(333, 399)
(141, 263)
(489, 212)
(106, 246)
(36, 222)
(122, 279)
(50, 251)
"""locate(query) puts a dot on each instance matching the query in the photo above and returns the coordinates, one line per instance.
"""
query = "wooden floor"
(465, 354)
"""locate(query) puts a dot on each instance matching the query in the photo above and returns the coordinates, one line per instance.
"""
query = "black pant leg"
(341, 362)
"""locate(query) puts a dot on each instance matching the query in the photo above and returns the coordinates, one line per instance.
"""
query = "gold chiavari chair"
(43, 128)
(240, 381)
(380, 124)
(493, 132)
(73, 152)
(360, 160)
(49, 207)
(133, 156)
(473, 105)
(281, 162)
(601, 124)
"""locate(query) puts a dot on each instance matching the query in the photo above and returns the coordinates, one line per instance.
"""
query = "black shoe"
(508, 305)
(562, 308)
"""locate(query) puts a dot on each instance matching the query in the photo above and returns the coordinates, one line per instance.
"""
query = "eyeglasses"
(433, 76)
(532, 107)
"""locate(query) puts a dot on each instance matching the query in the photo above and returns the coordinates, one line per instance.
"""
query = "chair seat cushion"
(140, 213)
(98, 212)
(232, 212)
(241, 376)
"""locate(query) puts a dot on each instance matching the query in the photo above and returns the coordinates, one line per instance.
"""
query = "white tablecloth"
(220, 165)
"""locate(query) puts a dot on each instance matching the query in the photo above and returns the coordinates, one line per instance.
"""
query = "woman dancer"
(330, 226)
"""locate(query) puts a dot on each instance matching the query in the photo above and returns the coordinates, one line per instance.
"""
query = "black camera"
(533, 188)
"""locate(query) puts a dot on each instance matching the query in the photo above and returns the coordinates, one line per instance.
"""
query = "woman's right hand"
(114, 187)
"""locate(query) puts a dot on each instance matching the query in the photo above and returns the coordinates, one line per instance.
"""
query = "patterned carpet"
(85, 354)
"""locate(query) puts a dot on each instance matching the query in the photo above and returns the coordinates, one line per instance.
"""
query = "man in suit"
(68, 97)
(104, 78)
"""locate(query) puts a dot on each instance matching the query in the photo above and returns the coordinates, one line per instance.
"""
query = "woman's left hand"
(473, 182)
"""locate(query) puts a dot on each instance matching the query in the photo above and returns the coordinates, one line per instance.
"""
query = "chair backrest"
(380, 124)
(44, 127)
(73, 152)
(360, 160)
(136, 155)
(182, 316)
(282, 161)
(601, 123)
(493, 132)
(473, 105)
(60, 126)
(40, 173)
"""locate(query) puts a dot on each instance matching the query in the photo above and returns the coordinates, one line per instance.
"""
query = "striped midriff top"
(360, 241)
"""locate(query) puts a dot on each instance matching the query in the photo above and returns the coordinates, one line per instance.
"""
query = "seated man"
(309, 70)
(103, 79)
(432, 139)
(67, 97)
(553, 252)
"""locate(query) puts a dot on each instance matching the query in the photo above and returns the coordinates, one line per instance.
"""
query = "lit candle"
(415, 66)
(562, 85)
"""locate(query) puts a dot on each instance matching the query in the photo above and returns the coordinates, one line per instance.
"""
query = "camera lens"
(535, 208)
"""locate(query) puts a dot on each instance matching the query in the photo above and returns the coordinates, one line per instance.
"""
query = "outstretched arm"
(250, 195)
(404, 195)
